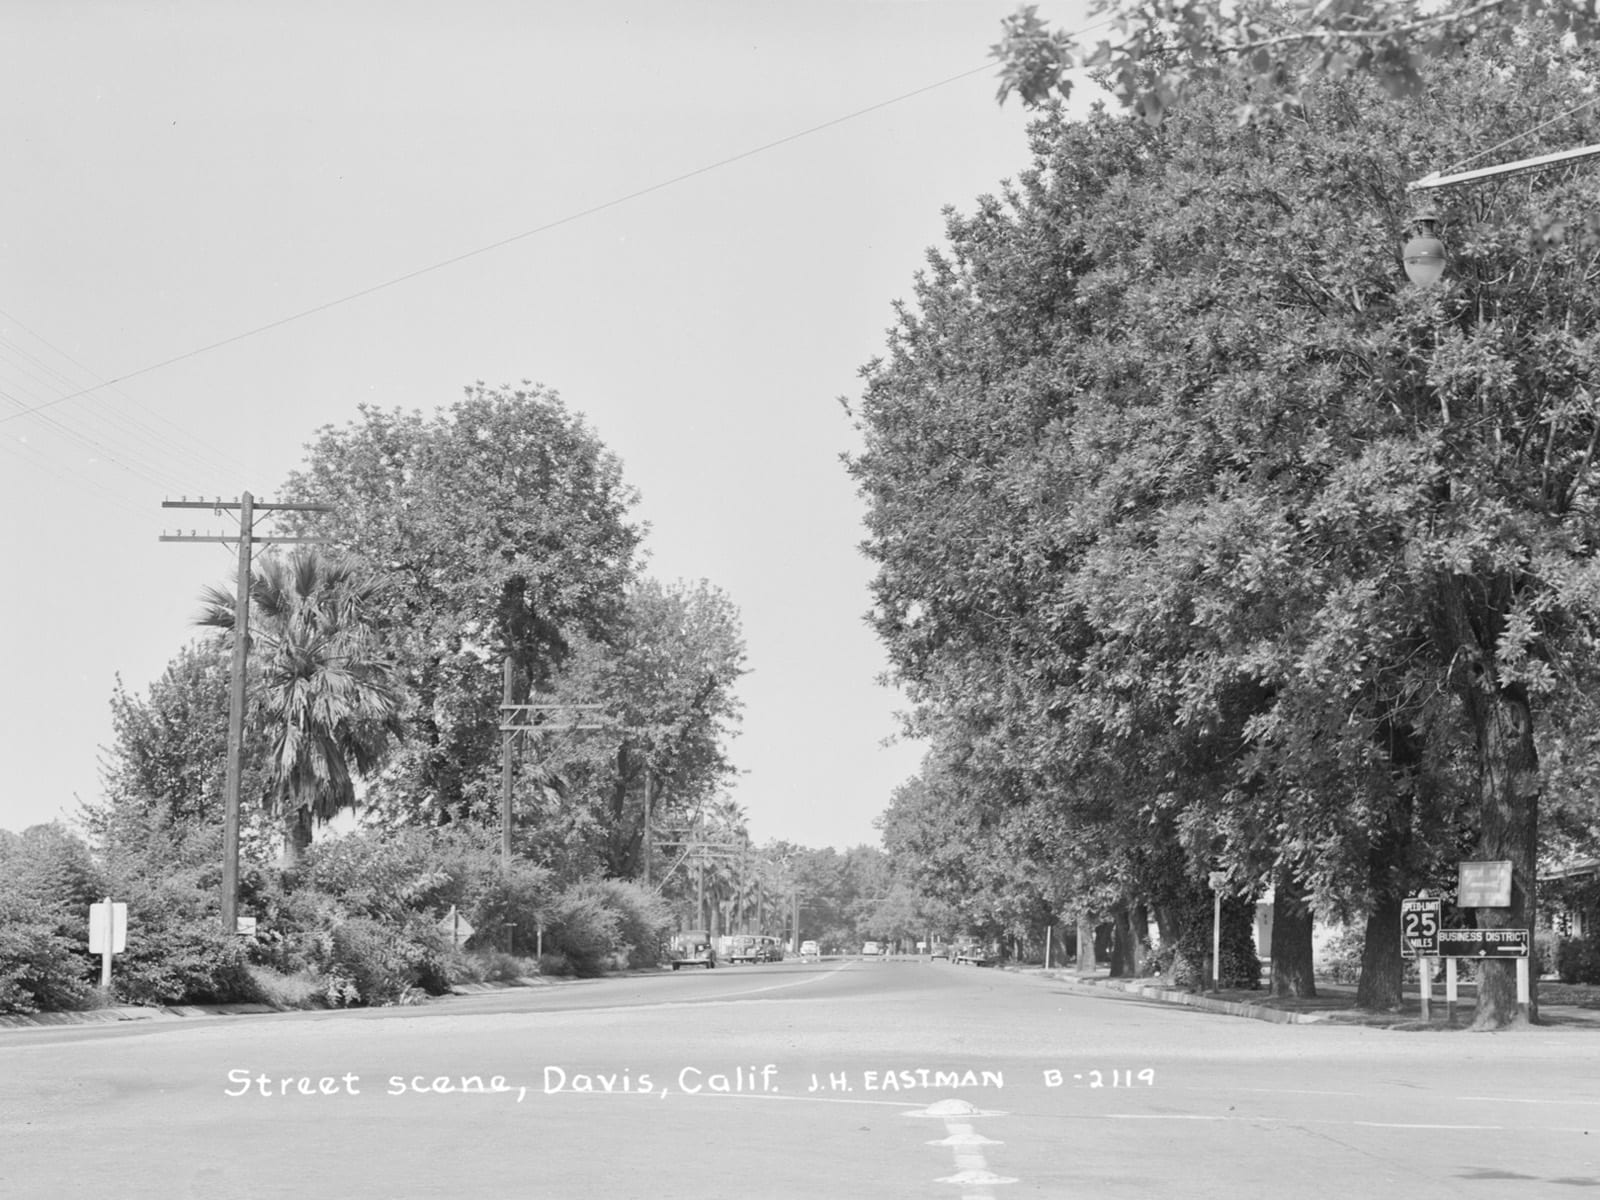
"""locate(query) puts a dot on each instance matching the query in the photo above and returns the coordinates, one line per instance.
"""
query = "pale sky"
(181, 174)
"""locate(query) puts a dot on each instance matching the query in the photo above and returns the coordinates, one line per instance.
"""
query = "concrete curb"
(1165, 995)
(130, 1012)
(134, 1012)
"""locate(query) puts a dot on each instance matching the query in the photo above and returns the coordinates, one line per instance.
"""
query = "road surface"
(834, 1079)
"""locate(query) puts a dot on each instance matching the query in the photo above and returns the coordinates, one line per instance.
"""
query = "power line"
(501, 243)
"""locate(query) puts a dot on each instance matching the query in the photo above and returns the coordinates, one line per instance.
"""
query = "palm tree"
(326, 700)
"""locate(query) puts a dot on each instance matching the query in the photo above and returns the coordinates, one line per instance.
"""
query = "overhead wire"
(500, 243)
(172, 439)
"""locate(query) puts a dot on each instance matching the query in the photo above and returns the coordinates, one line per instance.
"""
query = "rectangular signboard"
(1484, 885)
(1420, 919)
(1483, 943)
(108, 927)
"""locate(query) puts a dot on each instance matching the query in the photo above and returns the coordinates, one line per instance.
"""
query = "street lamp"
(1424, 254)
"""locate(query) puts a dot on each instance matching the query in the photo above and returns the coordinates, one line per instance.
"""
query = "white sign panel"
(103, 922)
(1484, 885)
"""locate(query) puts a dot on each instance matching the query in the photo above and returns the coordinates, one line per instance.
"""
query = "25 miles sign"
(1419, 926)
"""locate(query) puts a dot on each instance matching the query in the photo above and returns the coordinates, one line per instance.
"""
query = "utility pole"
(247, 541)
(516, 720)
(648, 849)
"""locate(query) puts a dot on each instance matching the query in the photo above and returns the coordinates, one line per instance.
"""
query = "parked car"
(871, 950)
(940, 951)
(692, 948)
(810, 950)
(971, 952)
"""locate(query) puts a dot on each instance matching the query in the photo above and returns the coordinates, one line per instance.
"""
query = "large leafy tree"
(499, 528)
(327, 701)
(163, 773)
(1151, 55)
(1179, 492)
(666, 679)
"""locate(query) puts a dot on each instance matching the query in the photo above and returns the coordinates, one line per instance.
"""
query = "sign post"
(108, 934)
(1217, 880)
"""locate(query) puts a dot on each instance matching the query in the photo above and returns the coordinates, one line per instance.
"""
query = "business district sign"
(1483, 943)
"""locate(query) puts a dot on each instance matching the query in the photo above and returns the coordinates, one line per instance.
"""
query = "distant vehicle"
(940, 952)
(692, 948)
(739, 947)
(768, 949)
(810, 950)
(871, 950)
(971, 952)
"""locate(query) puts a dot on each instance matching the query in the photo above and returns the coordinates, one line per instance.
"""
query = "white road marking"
(972, 1169)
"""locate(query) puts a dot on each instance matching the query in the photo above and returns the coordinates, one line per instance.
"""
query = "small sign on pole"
(1484, 884)
(456, 926)
(108, 934)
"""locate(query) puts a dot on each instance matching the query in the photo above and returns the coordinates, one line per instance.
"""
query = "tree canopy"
(1152, 55)
(1197, 527)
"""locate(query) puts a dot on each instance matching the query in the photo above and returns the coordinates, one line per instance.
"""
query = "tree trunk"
(1471, 618)
(1382, 967)
(1508, 830)
(296, 835)
(1129, 940)
(1292, 973)
(1085, 945)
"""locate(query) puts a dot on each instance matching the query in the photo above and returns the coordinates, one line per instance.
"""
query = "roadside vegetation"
(1213, 555)
(488, 546)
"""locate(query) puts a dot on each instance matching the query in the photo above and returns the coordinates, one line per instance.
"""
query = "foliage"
(499, 527)
(167, 764)
(1235, 552)
(1157, 54)
(41, 967)
(327, 701)
(177, 953)
(1579, 960)
(1341, 960)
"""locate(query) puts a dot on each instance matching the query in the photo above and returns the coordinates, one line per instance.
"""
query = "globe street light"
(1424, 254)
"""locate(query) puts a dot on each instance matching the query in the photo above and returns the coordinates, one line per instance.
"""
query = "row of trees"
(497, 531)
(1205, 544)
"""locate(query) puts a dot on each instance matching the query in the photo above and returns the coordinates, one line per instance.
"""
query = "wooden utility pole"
(648, 849)
(247, 541)
(508, 739)
(519, 719)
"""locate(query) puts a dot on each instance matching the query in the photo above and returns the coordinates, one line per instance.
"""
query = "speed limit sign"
(1419, 926)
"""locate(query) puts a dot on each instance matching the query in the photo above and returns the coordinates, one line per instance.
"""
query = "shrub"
(1579, 960)
(1546, 952)
(1341, 960)
(41, 969)
(643, 920)
(373, 963)
(582, 927)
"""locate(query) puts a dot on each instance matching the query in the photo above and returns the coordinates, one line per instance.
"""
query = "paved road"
(844, 1079)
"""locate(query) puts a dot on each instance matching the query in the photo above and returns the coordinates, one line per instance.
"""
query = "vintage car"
(692, 948)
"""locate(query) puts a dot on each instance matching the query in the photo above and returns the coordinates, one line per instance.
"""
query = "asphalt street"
(839, 1079)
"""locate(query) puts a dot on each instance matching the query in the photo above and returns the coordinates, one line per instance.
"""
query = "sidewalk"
(1561, 1006)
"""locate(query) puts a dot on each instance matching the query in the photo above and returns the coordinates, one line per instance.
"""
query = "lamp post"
(1424, 253)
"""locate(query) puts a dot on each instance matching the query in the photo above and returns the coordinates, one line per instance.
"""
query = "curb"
(131, 1012)
(1166, 995)
(124, 1013)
